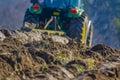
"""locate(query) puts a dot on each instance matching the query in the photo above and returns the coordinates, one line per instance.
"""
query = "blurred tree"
(117, 23)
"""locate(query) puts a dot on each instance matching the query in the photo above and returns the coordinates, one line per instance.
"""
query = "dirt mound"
(36, 56)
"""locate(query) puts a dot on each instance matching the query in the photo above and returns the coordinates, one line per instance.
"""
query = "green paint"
(39, 11)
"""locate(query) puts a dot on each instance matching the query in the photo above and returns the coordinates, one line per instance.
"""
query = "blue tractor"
(60, 16)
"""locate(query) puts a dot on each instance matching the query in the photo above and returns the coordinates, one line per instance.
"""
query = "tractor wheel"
(90, 36)
(76, 29)
(30, 21)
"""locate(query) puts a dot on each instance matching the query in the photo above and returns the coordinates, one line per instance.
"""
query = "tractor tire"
(30, 21)
(90, 36)
(76, 28)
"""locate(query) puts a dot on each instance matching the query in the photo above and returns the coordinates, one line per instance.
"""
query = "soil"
(37, 56)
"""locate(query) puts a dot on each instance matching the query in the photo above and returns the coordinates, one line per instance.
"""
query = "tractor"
(59, 16)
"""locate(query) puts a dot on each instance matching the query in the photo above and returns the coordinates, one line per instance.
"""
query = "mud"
(36, 56)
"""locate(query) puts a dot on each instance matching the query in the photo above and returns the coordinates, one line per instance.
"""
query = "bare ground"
(36, 56)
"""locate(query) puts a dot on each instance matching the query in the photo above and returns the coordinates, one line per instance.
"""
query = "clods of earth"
(37, 56)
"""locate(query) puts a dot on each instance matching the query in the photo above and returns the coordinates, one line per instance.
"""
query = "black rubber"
(75, 28)
(30, 17)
